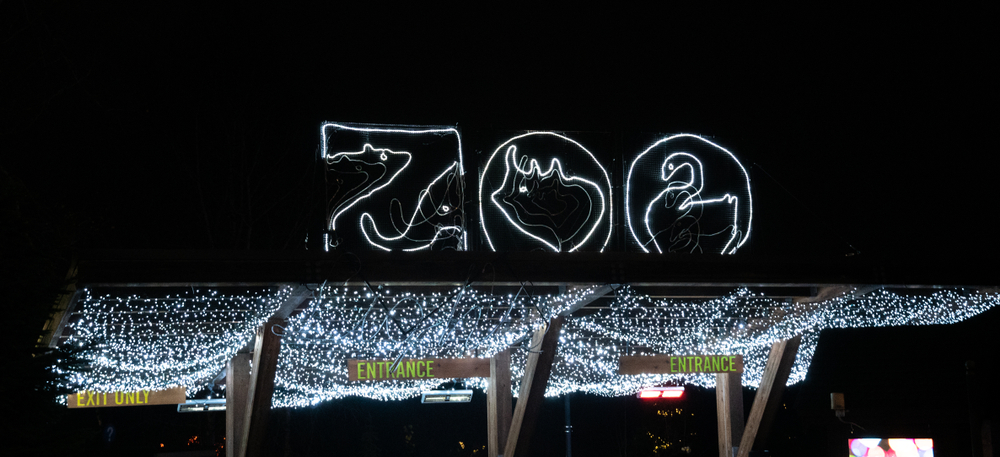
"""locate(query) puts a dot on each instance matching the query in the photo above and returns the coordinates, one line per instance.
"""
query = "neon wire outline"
(324, 147)
(534, 164)
(628, 189)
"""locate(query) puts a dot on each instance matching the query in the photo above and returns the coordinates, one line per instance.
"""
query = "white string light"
(143, 342)
(154, 341)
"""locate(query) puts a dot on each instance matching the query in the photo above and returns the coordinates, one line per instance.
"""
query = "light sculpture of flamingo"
(691, 210)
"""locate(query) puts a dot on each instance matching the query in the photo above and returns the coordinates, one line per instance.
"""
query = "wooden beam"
(772, 384)
(54, 325)
(517, 420)
(781, 378)
(237, 387)
(587, 297)
(498, 400)
(300, 294)
(265, 362)
(541, 268)
(729, 410)
(536, 377)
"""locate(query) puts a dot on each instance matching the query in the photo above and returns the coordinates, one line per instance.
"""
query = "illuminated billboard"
(891, 447)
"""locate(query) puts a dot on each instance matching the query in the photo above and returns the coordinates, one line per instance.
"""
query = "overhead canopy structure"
(150, 320)
(601, 230)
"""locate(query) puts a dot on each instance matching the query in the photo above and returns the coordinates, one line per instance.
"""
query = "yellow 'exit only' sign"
(92, 399)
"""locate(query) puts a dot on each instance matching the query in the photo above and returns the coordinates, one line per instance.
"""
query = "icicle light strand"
(139, 342)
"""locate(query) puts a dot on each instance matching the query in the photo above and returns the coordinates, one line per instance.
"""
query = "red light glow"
(661, 392)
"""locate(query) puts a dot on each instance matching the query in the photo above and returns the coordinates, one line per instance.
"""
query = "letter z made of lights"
(687, 194)
(394, 188)
(542, 190)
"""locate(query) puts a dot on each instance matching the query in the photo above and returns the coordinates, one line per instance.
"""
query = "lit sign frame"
(552, 195)
(676, 364)
(92, 399)
(421, 369)
(367, 226)
(690, 195)
(530, 168)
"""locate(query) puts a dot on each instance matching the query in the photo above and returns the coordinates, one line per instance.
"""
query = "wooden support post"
(498, 402)
(772, 384)
(299, 295)
(56, 323)
(237, 386)
(536, 377)
(265, 363)
(729, 410)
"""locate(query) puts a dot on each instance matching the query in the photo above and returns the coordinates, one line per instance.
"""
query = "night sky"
(196, 126)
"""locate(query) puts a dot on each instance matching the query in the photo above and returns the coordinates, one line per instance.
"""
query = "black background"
(196, 126)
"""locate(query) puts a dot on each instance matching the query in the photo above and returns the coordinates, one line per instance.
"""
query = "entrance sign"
(378, 370)
(676, 364)
(91, 399)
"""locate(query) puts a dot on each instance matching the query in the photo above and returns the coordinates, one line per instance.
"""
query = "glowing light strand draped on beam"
(347, 323)
(359, 323)
(414, 212)
(156, 341)
(739, 323)
(547, 189)
(589, 346)
(673, 205)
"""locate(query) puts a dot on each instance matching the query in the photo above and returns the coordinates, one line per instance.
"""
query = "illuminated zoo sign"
(395, 188)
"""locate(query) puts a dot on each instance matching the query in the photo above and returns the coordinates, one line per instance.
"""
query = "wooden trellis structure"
(249, 391)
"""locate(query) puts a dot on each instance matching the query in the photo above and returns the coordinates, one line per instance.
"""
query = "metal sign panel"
(91, 399)
(674, 364)
(379, 370)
